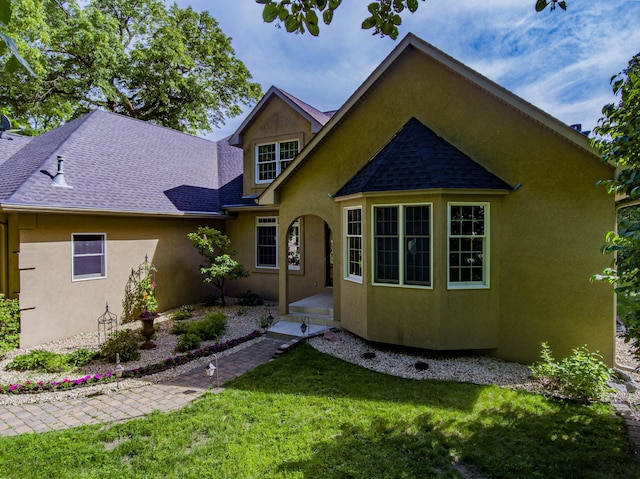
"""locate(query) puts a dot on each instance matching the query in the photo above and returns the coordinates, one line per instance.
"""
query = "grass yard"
(307, 415)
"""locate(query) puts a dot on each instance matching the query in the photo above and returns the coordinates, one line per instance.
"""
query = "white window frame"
(486, 260)
(103, 255)
(278, 160)
(298, 246)
(348, 275)
(264, 222)
(401, 245)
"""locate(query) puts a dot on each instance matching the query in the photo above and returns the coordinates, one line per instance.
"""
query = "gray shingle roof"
(319, 116)
(416, 159)
(116, 163)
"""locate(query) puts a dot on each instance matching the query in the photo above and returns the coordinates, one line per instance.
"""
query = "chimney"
(59, 180)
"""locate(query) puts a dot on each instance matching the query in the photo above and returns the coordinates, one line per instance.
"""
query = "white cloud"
(559, 61)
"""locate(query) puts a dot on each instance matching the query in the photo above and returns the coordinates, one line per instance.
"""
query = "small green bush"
(125, 342)
(39, 360)
(250, 299)
(9, 324)
(188, 342)
(184, 312)
(80, 358)
(583, 375)
(179, 328)
(209, 328)
(210, 300)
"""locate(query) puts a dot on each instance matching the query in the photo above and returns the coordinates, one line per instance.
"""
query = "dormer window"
(273, 158)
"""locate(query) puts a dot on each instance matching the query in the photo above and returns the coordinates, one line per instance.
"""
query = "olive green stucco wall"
(544, 240)
(56, 307)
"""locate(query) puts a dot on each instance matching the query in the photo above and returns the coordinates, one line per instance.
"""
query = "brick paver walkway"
(130, 403)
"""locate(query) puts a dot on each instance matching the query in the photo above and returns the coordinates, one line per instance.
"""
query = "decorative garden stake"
(270, 319)
(213, 370)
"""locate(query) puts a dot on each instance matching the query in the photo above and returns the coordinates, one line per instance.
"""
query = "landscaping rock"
(421, 366)
(331, 336)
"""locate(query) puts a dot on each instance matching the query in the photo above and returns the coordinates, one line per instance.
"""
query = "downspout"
(4, 259)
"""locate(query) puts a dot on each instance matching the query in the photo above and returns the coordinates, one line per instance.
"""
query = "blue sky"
(559, 61)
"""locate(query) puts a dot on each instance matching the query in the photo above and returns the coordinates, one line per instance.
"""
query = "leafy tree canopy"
(384, 15)
(618, 140)
(168, 65)
(8, 46)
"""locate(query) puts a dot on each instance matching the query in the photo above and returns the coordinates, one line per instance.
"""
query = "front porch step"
(319, 319)
(310, 310)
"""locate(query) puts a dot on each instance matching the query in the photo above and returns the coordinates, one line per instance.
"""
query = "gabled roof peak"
(313, 115)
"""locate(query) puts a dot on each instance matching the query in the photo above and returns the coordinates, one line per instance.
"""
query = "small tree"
(219, 264)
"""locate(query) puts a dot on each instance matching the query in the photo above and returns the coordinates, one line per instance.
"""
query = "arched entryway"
(309, 273)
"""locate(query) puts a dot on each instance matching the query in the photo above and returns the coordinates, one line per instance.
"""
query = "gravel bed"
(241, 321)
(475, 369)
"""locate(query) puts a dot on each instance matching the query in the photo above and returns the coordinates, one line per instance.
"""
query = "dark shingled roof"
(417, 159)
(116, 163)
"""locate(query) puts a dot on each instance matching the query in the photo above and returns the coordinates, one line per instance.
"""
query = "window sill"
(467, 286)
(354, 279)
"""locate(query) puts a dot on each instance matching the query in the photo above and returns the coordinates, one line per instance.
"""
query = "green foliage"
(250, 299)
(50, 362)
(208, 329)
(7, 43)
(210, 300)
(139, 293)
(218, 262)
(583, 375)
(384, 15)
(618, 140)
(80, 357)
(188, 342)
(160, 63)
(179, 327)
(182, 314)
(38, 360)
(9, 324)
(124, 342)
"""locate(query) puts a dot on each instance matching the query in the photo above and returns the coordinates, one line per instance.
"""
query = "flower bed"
(41, 386)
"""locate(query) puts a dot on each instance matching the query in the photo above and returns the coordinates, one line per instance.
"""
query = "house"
(82, 205)
(434, 209)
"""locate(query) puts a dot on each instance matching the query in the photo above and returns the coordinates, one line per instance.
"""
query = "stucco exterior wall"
(545, 236)
(54, 306)
(277, 122)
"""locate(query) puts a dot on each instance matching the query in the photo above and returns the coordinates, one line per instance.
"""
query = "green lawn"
(307, 415)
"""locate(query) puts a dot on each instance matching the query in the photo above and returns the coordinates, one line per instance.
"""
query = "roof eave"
(426, 191)
(22, 208)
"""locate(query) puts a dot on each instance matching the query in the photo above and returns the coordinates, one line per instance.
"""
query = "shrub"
(209, 328)
(583, 375)
(38, 360)
(9, 324)
(250, 299)
(185, 312)
(124, 342)
(80, 358)
(210, 300)
(179, 328)
(187, 342)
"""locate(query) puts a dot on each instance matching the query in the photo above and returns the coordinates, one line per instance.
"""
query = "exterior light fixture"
(119, 370)
(212, 370)
(303, 326)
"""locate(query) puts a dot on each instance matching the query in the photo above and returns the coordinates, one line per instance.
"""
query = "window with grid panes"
(353, 243)
(89, 256)
(267, 242)
(468, 230)
(402, 245)
(273, 158)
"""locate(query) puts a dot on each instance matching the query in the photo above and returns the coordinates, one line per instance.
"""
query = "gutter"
(17, 208)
